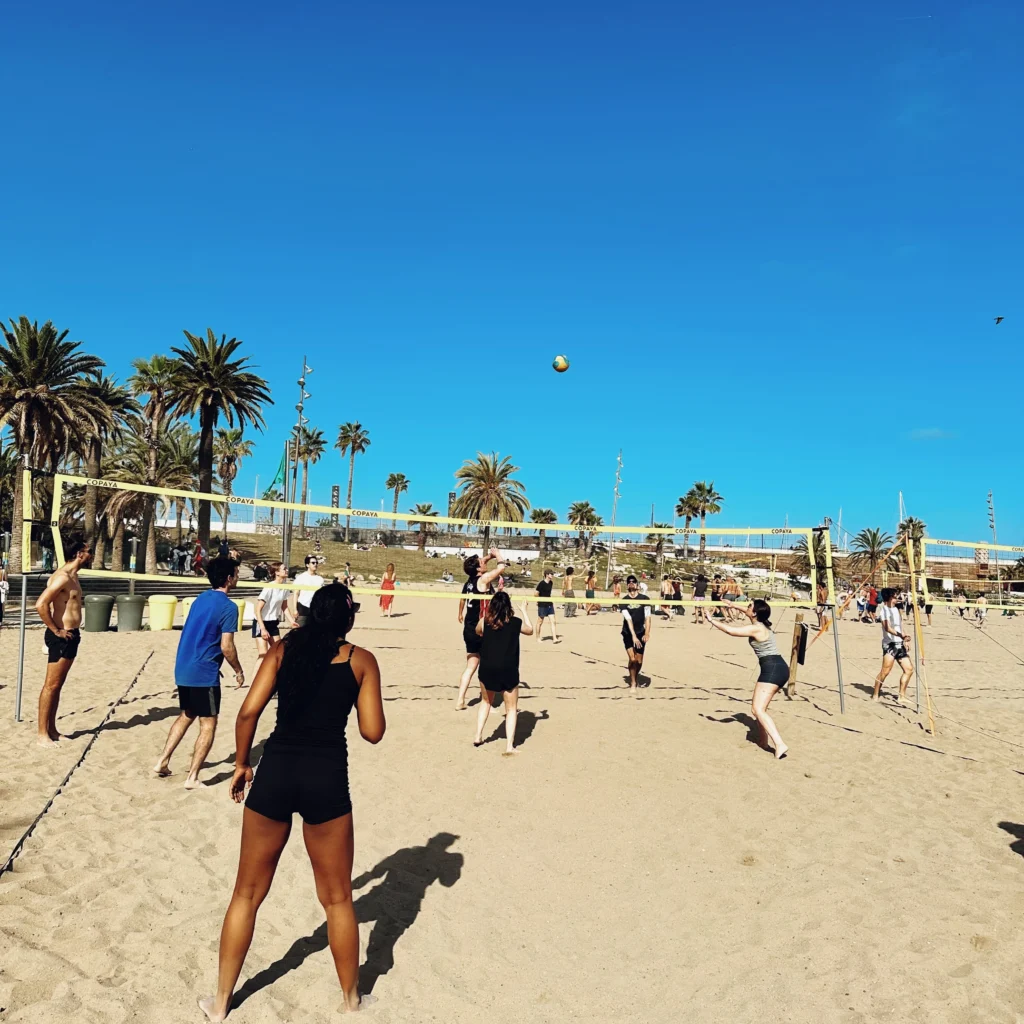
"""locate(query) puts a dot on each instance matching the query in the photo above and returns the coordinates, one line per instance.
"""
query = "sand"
(640, 859)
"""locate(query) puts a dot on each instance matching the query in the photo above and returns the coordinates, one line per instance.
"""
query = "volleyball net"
(970, 574)
(770, 562)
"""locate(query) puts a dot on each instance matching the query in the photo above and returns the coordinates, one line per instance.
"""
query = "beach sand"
(640, 860)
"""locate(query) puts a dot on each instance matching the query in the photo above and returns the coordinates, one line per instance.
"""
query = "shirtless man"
(60, 608)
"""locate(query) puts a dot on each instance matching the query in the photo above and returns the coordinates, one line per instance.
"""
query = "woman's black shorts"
(312, 783)
(472, 640)
(774, 670)
(271, 624)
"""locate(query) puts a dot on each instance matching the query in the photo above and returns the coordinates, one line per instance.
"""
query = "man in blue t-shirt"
(207, 639)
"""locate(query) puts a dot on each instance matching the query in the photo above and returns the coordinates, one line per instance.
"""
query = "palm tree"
(688, 508)
(802, 557)
(273, 494)
(912, 529)
(354, 440)
(9, 468)
(870, 549)
(154, 379)
(423, 524)
(543, 515)
(43, 402)
(182, 447)
(311, 447)
(229, 449)
(658, 540)
(104, 391)
(490, 491)
(397, 482)
(706, 502)
(210, 383)
(582, 514)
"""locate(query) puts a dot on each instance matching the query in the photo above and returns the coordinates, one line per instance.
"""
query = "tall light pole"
(293, 463)
(615, 505)
(995, 540)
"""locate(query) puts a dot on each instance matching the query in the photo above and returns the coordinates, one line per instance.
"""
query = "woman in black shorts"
(319, 677)
(774, 671)
(499, 632)
(477, 582)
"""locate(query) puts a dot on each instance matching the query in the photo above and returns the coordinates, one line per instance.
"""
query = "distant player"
(894, 645)
(60, 608)
(981, 609)
(545, 607)
(636, 630)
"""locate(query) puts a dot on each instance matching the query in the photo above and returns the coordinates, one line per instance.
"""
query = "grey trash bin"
(129, 612)
(98, 608)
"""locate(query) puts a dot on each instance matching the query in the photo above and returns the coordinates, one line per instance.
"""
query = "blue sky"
(770, 238)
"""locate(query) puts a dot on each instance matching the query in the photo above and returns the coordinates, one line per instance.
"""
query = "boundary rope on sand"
(9, 863)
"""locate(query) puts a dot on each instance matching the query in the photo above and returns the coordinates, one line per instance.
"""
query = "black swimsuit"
(305, 764)
(499, 656)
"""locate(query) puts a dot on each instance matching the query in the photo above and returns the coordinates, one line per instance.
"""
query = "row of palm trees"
(62, 410)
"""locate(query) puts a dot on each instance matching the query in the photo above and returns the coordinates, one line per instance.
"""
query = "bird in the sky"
(998, 320)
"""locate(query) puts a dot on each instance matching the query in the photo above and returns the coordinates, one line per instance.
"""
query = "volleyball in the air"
(561, 364)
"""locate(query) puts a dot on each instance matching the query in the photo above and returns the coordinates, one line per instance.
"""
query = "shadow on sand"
(393, 906)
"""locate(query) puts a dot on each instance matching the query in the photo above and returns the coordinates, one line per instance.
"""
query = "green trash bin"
(129, 612)
(98, 608)
(161, 611)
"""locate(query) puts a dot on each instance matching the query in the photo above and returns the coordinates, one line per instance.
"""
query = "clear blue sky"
(770, 237)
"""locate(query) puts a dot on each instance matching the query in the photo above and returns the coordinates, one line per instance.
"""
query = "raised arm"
(486, 579)
(733, 630)
(527, 626)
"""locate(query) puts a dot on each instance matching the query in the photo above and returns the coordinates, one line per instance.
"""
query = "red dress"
(385, 601)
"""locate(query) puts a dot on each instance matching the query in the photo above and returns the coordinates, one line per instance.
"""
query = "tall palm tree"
(154, 379)
(273, 494)
(582, 514)
(311, 447)
(688, 508)
(490, 491)
(397, 482)
(423, 525)
(706, 502)
(43, 402)
(229, 448)
(543, 515)
(209, 384)
(802, 557)
(182, 453)
(9, 468)
(868, 551)
(116, 398)
(354, 440)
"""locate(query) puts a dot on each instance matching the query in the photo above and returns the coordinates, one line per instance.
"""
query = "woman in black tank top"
(319, 677)
(499, 632)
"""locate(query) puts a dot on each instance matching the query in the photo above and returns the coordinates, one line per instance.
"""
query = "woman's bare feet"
(47, 741)
(356, 1002)
(509, 753)
(207, 1004)
(780, 752)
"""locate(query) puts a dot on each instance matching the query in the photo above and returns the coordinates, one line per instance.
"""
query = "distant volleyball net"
(769, 562)
(972, 574)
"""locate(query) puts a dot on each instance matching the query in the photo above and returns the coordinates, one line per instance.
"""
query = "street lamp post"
(995, 540)
(293, 466)
(615, 505)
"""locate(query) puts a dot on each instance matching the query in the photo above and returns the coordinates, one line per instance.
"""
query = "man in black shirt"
(636, 629)
(546, 609)
(479, 580)
(700, 592)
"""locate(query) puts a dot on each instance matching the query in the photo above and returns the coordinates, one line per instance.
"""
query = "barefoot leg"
(486, 697)
(204, 741)
(178, 729)
(511, 700)
(763, 693)
(472, 664)
(262, 843)
(49, 699)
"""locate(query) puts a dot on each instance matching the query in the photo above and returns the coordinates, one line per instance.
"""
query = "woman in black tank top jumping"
(319, 677)
(499, 632)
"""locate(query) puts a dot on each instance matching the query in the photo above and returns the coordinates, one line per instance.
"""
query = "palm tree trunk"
(305, 498)
(207, 419)
(348, 500)
(686, 539)
(394, 509)
(151, 544)
(15, 557)
(117, 554)
(422, 538)
(180, 508)
(542, 537)
(99, 555)
(227, 507)
(487, 538)
(703, 539)
(93, 458)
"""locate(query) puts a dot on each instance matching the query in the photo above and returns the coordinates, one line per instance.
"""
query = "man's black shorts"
(203, 701)
(895, 649)
(57, 647)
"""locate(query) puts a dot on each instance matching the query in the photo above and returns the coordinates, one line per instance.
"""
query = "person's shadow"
(393, 906)
(1017, 831)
